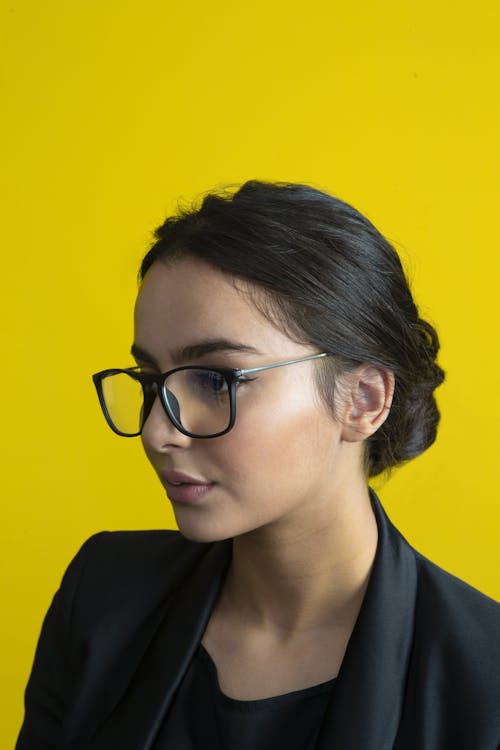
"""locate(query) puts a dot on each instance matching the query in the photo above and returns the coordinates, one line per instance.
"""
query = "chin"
(201, 532)
(202, 537)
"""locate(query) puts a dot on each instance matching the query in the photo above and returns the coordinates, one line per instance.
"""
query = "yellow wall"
(114, 108)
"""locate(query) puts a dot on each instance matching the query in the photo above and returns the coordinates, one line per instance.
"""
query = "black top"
(202, 717)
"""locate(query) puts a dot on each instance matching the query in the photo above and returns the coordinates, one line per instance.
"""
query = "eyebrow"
(195, 351)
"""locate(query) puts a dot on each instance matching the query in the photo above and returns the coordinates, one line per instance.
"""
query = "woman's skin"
(287, 482)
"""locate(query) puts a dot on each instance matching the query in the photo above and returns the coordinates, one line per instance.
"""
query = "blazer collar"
(366, 704)
(365, 707)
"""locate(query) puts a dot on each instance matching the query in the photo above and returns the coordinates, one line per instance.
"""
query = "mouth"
(184, 488)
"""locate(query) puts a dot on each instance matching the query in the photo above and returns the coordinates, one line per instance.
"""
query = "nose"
(159, 433)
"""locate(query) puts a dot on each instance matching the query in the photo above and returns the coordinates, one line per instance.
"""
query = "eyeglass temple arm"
(249, 370)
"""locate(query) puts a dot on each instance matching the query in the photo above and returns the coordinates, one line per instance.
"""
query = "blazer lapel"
(366, 704)
(134, 723)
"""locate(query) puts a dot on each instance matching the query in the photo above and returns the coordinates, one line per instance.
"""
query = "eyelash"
(244, 379)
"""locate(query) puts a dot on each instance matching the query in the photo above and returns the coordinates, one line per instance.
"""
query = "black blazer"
(421, 671)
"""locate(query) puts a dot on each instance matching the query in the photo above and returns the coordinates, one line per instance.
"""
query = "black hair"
(333, 281)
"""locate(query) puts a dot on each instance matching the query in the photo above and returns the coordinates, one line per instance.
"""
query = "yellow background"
(111, 110)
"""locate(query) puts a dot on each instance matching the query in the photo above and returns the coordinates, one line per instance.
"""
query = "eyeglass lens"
(199, 400)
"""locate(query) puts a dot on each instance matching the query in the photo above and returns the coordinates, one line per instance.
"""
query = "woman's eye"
(216, 382)
(209, 381)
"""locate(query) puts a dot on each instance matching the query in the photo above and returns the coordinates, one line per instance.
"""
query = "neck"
(299, 577)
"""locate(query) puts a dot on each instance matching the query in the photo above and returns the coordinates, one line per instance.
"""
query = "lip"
(184, 488)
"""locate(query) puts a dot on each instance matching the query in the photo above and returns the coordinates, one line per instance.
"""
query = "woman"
(281, 363)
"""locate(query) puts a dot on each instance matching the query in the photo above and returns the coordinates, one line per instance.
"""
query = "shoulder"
(452, 695)
(457, 634)
(139, 549)
(109, 556)
(119, 571)
(111, 600)
(448, 609)
(461, 608)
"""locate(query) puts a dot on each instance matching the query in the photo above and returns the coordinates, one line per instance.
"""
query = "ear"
(367, 399)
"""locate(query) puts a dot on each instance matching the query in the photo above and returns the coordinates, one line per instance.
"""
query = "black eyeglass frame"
(154, 384)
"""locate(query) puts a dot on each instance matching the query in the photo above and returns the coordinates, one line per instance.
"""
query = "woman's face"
(283, 460)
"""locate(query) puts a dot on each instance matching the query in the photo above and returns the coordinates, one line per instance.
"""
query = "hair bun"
(411, 426)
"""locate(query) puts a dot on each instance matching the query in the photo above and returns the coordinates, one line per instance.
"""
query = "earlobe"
(370, 394)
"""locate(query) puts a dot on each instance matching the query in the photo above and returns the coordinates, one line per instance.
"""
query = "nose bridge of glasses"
(177, 397)
(168, 402)
(160, 410)
(172, 402)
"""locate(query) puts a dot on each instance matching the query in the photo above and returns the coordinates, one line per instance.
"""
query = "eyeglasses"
(199, 401)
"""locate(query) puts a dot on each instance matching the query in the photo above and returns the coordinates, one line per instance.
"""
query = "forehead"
(189, 300)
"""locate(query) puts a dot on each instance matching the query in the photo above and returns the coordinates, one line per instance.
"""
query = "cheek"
(277, 439)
